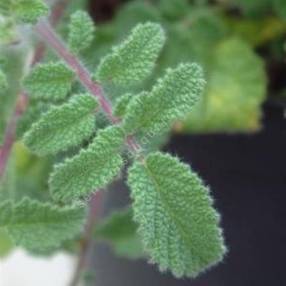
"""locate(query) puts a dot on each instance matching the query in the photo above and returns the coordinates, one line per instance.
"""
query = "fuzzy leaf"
(63, 126)
(121, 104)
(28, 10)
(51, 81)
(40, 226)
(120, 231)
(81, 31)
(171, 98)
(91, 169)
(133, 60)
(177, 222)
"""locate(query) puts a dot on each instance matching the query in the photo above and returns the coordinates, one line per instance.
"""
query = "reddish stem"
(10, 132)
(53, 40)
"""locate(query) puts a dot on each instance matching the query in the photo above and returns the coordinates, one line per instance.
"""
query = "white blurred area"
(22, 269)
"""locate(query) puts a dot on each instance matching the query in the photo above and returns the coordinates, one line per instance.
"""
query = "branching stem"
(47, 33)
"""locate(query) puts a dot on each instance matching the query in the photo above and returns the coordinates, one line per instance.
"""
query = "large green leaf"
(133, 60)
(40, 226)
(91, 169)
(177, 222)
(172, 97)
(63, 126)
(235, 91)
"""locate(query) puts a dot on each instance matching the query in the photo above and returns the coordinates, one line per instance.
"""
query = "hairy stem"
(48, 34)
(45, 30)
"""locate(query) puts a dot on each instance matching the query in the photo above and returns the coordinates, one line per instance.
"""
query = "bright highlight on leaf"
(170, 99)
(51, 81)
(81, 31)
(91, 169)
(40, 226)
(63, 126)
(133, 60)
(176, 219)
(29, 11)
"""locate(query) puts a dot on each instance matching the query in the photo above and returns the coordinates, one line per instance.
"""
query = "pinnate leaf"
(91, 169)
(63, 126)
(120, 231)
(133, 60)
(28, 10)
(81, 31)
(40, 226)
(170, 99)
(177, 221)
(51, 81)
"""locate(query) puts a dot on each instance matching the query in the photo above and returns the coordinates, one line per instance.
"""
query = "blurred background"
(235, 138)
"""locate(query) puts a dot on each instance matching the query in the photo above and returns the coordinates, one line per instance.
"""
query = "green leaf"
(51, 81)
(40, 226)
(177, 222)
(91, 169)
(63, 126)
(171, 98)
(120, 231)
(81, 31)
(3, 80)
(235, 91)
(28, 11)
(121, 104)
(133, 60)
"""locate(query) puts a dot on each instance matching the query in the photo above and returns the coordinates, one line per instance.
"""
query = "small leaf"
(120, 231)
(121, 104)
(51, 81)
(63, 126)
(81, 31)
(91, 169)
(171, 98)
(28, 11)
(40, 226)
(177, 222)
(133, 60)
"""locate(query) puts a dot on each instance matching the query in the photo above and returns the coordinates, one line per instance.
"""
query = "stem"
(22, 99)
(94, 210)
(49, 36)
(47, 33)
(10, 132)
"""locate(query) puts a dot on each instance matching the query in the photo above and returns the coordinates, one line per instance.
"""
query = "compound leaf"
(178, 225)
(91, 169)
(51, 81)
(81, 31)
(170, 99)
(63, 126)
(40, 226)
(120, 231)
(133, 60)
